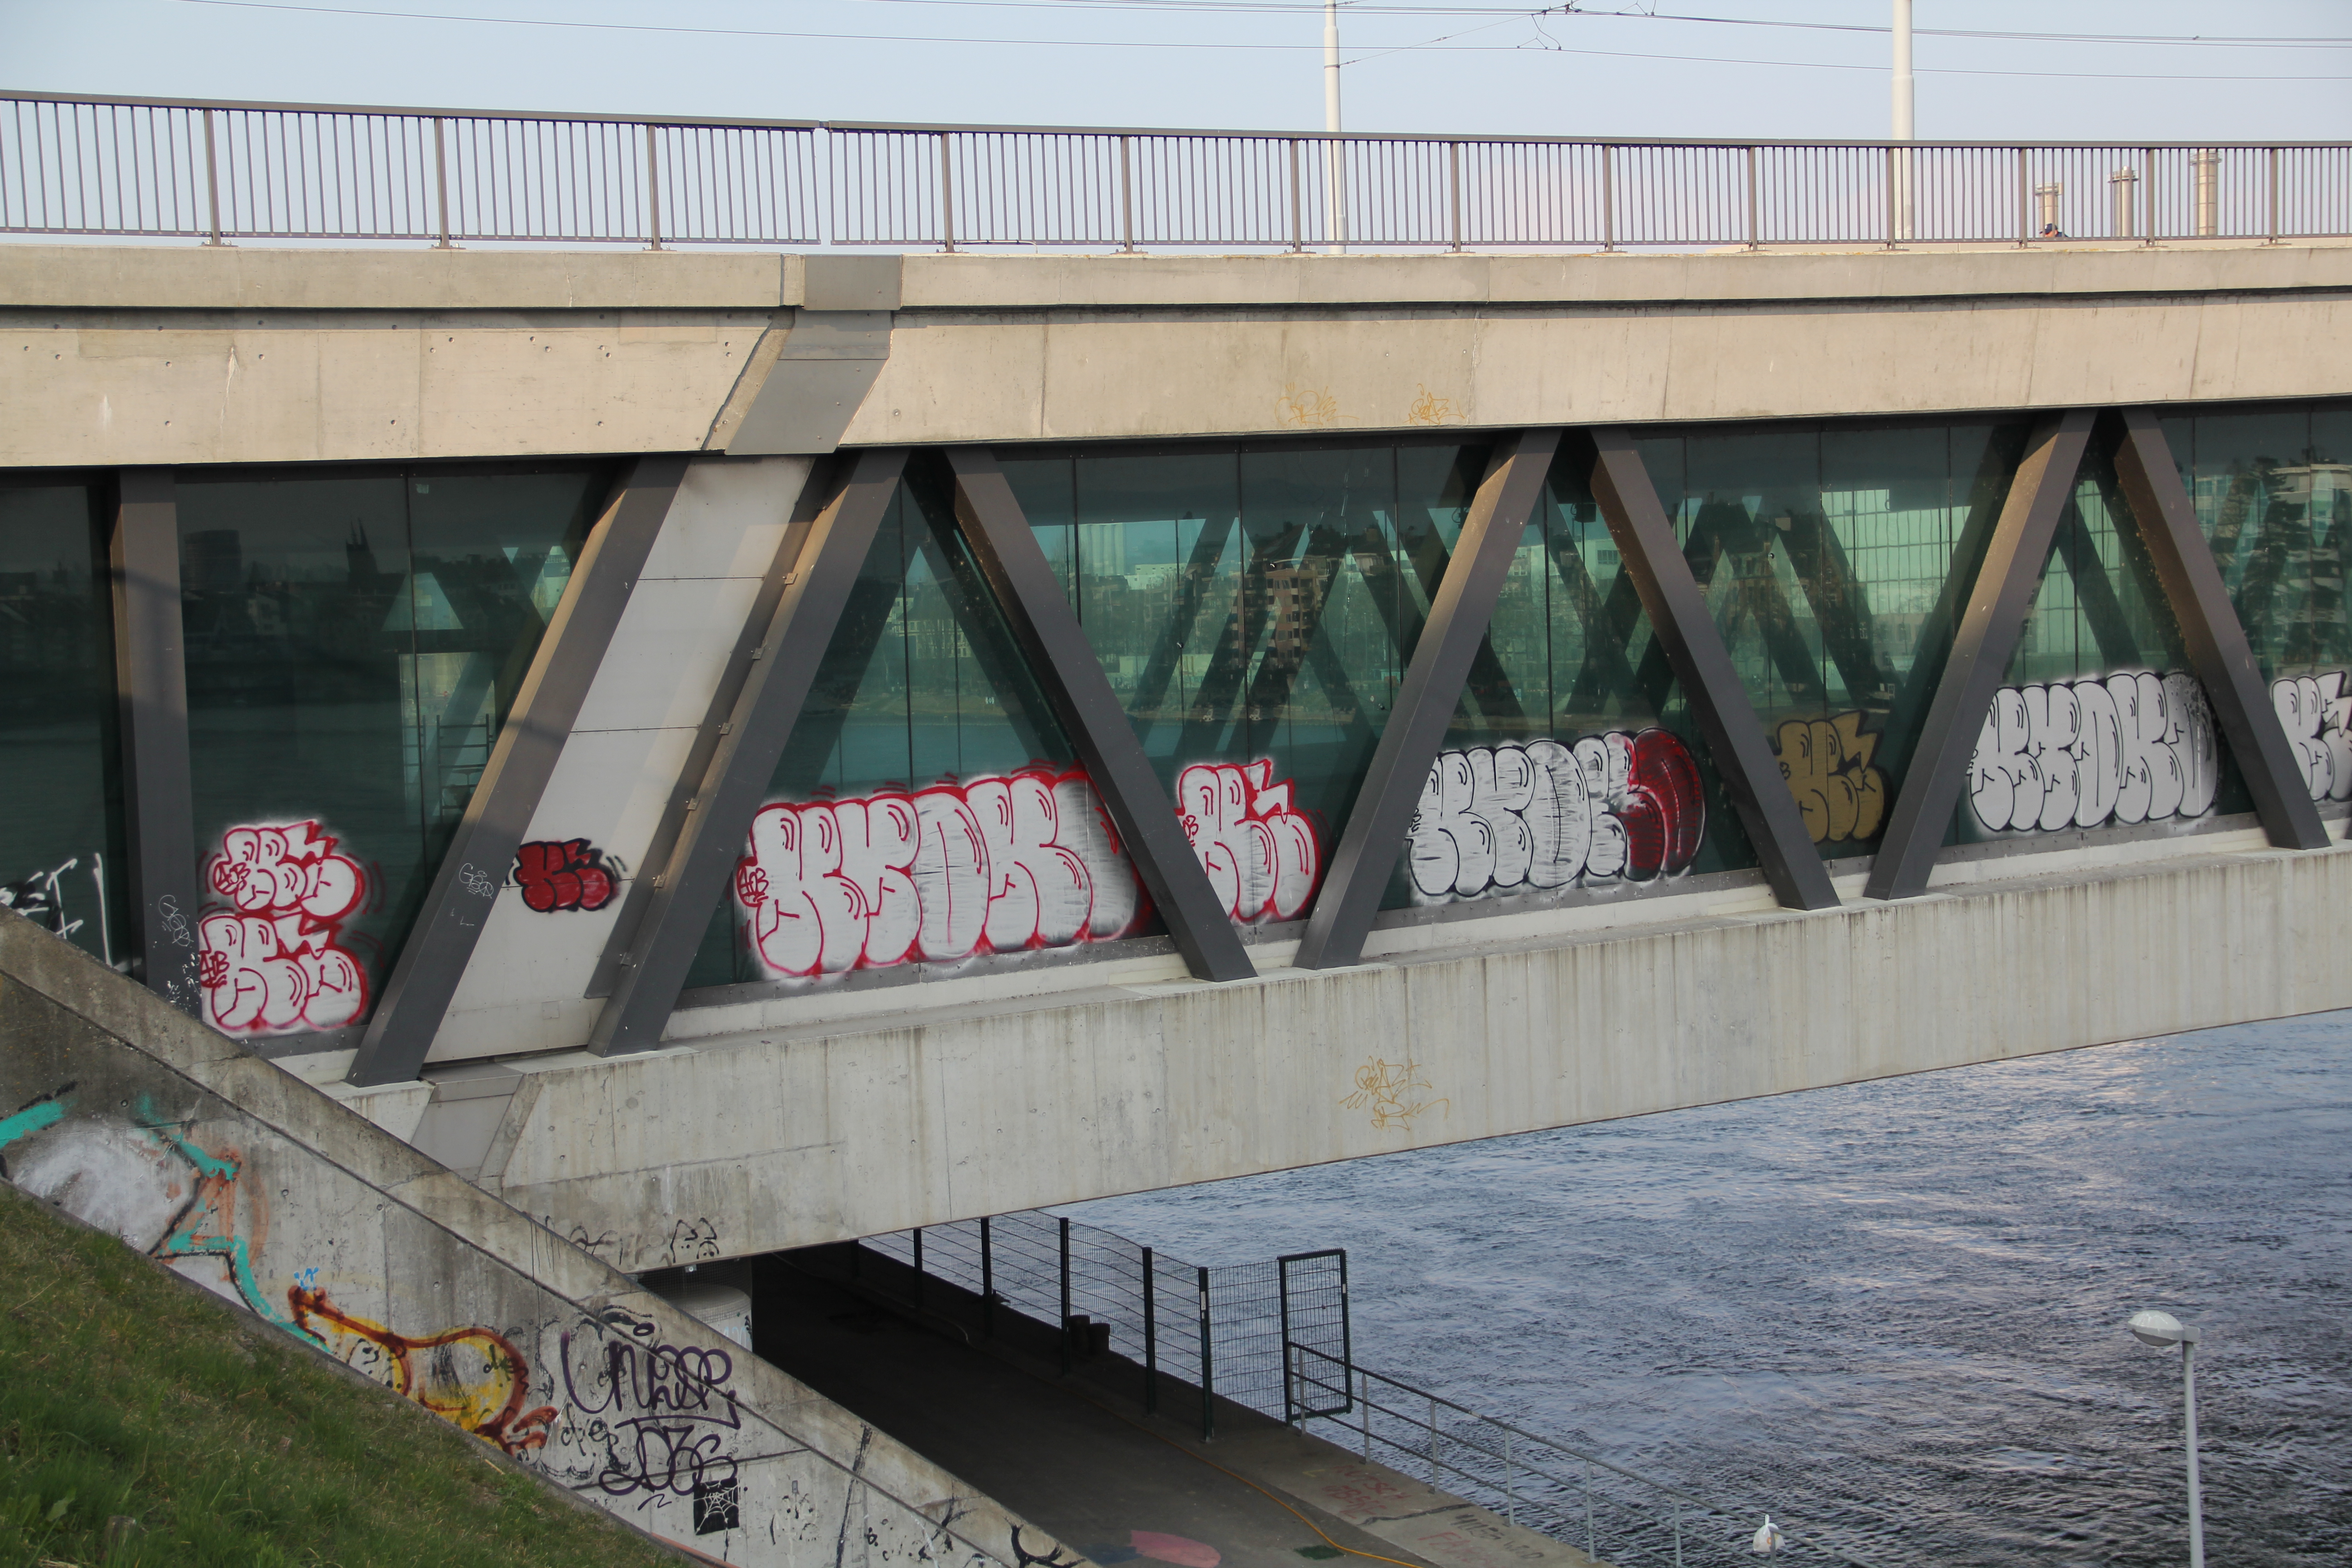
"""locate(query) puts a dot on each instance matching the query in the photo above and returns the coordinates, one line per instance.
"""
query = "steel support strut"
(817, 582)
(1694, 650)
(465, 889)
(1988, 629)
(151, 676)
(2218, 653)
(1450, 639)
(1065, 665)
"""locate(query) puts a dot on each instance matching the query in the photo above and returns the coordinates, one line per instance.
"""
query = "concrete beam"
(785, 1137)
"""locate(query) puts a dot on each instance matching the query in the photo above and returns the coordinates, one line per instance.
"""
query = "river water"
(1893, 1311)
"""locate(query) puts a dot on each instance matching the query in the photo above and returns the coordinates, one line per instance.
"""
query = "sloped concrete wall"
(135, 1119)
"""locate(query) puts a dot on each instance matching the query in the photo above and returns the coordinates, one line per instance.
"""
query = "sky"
(2145, 70)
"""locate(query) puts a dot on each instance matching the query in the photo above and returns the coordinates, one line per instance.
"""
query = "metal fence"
(1615, 1514)
(1220, 1329)
(223, 171)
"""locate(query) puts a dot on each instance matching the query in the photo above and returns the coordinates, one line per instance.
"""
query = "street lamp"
(2161, 1331)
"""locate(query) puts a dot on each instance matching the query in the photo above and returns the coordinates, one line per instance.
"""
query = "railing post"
(1510, 1500)
(987, 1284)
(1290, 1405)
(2024, 200)
(1454, 149)
(1752, 240)
(1127, 227)
(440, 189)
(1065, 1298)
(1297, 238)
(653, 191)
(1592, 1550)
(1208, 1366)
(1433, 1440)
(1151, 1341)
(1608, 198)
(212, 183)
(918, 1265)
(1364, 1410)
(1678, 1530)
(947, 216)
(2272, 236)
(2148, 184)
(1891, 222)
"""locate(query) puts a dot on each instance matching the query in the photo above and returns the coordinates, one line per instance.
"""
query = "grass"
(143, 1423)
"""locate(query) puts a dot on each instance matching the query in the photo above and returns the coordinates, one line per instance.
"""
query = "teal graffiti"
(217, 1174)
(31, 1119)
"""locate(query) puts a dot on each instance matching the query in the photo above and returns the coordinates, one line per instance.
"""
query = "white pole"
(1904, 127)
(2196, 1498)
(1334, 197)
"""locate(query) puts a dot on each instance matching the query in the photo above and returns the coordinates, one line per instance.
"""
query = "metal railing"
(1616, 1514)
(226, 171)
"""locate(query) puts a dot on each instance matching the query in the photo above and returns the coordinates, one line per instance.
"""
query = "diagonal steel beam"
(690, 882)
(1064, 662)
(1986, 636)
(1686, 633)
(2216, 644)
(150, 673)
(1450, 639)
(433, 960)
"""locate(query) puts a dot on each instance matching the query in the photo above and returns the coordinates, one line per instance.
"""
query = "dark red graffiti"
(1665, 811)
(564, 874)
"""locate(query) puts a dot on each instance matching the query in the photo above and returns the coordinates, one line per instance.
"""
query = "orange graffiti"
(472, 1378)
(1828, 766)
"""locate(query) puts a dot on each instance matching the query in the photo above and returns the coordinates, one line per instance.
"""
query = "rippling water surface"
(1893, 1309)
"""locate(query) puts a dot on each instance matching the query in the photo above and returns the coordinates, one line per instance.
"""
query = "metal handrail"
(1355, 1394)
(224, 170)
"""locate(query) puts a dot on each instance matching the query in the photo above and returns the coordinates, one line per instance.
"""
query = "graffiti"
(1055, 1555)
(1259, 852)
(2134, 747)
(150, 1184)
(475, 881)
(692, 1241)
(1309, 408)
(716, 1508)
(2313, 710)
(1827, 765)
(1546, 813)
(1431, 410)
(1388, 1090)
(993, 865)
(271, 963)
(652, 1421)
(564, 874)
(41, 898)
(473, 1378)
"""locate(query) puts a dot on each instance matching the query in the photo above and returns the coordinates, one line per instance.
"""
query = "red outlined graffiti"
(1259, 851)
(563, 874)
(991, 865)
(1544, 814)
(272, 962)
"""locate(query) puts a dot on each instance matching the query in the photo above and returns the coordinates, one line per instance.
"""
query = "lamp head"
(2161, 1329)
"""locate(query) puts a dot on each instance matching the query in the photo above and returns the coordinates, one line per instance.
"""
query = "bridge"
(778, 745)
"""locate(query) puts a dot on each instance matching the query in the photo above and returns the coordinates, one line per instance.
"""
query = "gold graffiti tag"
(1388, 1087)
(1309, 407)
(1828, 766)
(1432, 409)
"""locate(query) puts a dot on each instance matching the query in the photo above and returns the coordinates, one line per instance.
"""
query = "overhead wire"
(1436, 46)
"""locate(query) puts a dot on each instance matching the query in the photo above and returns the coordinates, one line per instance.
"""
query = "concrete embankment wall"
(135, 1119)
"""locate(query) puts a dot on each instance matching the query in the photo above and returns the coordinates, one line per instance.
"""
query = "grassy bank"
(142, 1425)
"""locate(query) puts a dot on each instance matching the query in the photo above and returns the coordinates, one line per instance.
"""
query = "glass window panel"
(60, 838)
(1835, 559)
(923, 722)
(353, 642)
(2097, 720)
